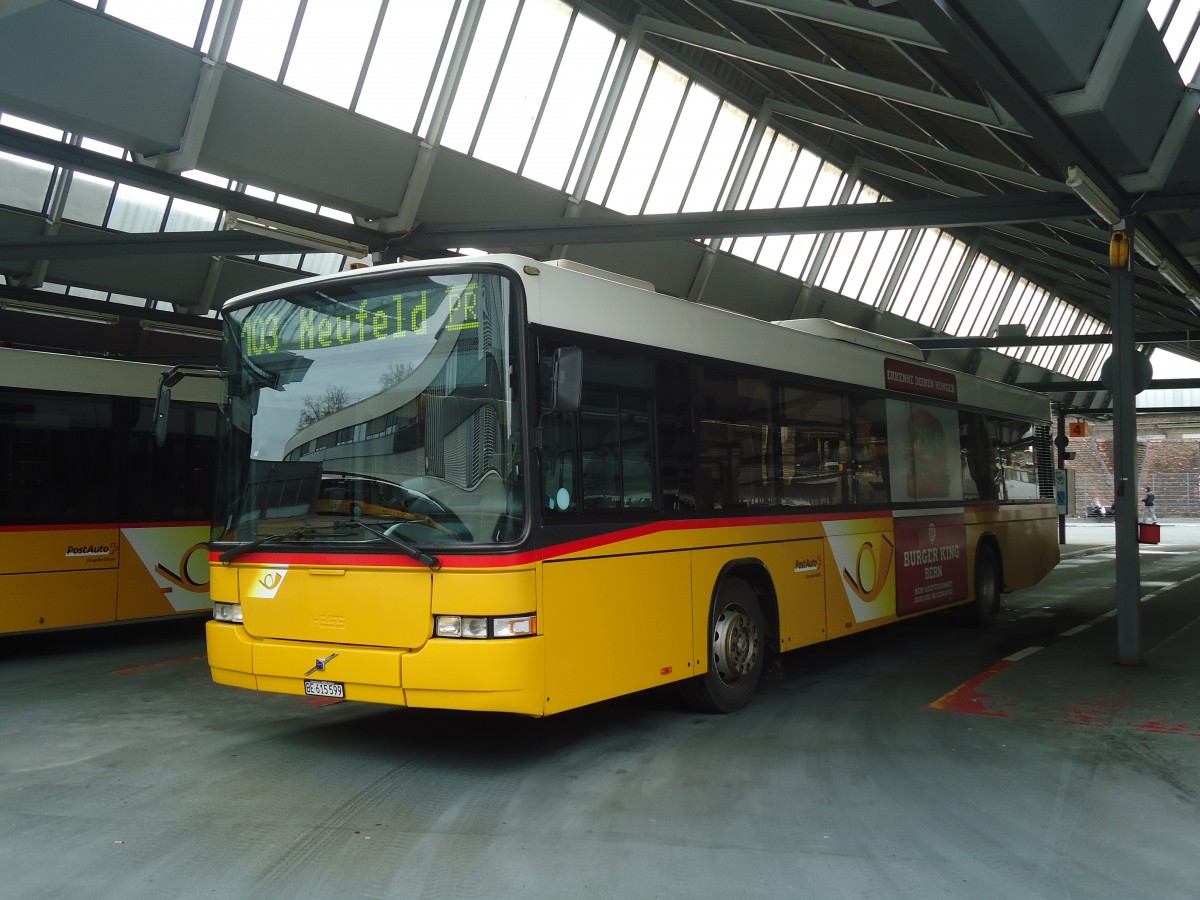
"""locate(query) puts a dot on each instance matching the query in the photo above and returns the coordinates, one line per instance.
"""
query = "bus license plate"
(325, 689)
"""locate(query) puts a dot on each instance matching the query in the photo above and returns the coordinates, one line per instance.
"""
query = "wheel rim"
(735, 644)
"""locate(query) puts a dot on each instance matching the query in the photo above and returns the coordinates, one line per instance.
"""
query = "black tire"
(987, 589)
(736, 650)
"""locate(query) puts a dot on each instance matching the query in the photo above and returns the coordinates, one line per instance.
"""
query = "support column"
(1129, 577)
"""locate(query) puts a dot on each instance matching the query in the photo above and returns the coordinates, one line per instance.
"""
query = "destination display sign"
(308, 323)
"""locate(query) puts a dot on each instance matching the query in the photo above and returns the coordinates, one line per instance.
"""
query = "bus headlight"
(228, 612)
(482, 627)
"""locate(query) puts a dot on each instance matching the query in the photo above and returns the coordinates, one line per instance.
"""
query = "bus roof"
(573, 297)
(69, 373)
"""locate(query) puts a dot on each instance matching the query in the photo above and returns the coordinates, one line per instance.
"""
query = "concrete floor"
(922, 761)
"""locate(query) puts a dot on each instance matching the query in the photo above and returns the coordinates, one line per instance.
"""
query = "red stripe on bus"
(501, 559)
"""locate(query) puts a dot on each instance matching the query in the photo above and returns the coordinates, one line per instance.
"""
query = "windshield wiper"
(234, 552)
(420, 556)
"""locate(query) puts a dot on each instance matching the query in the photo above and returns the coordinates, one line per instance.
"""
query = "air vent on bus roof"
(827, 328)
(600, 273)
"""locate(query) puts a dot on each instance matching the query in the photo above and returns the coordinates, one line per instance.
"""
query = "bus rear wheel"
(987, 588)
(736, 648)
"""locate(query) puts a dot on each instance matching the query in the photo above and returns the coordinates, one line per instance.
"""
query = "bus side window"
(870, 457)
(600, 439)
(979, 458)
(736, 452)
(815, 431)
(675, 437)
(560, 493)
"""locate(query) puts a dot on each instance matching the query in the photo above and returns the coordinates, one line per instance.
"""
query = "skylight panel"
(682, 156)
(135, 209)
(261, 35)
(487, 46)
(584, 71)
(622, 121)
(406, 53)
(640, 158)
(331, 48)
(719, 159)
(24, 182)
(523, 83)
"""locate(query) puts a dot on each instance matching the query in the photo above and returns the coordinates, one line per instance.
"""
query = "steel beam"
(841, 77)
(938, 212)
(56, 153)
(110, 244)
(883, 25)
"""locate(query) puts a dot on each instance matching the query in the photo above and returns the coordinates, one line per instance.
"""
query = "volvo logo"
(321, 664)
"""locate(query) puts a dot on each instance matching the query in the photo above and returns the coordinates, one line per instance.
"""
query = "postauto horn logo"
(92, 550)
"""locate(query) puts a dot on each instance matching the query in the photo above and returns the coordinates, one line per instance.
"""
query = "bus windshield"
(391, 399)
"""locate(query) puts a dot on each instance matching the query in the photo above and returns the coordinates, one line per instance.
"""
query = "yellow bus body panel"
(357, 614)
(68, 577)
(485, 592)
(488, 676)
(375, 607)
(621, 617)
(1028, 537)
(28, 551)
(57, 600)
(617, 624)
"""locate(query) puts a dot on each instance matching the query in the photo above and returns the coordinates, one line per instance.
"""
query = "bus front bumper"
(486, 676)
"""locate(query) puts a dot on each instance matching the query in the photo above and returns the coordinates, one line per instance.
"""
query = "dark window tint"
(816, 448)
(81, 459)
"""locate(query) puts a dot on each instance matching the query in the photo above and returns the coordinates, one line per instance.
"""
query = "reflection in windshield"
(391, 399)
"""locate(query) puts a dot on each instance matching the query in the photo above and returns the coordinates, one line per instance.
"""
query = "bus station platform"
(925, 760)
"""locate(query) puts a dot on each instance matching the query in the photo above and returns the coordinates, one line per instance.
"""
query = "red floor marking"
(1093, 713)
(323, 701)
(167, 662)
(1164, 728)
(967, 701)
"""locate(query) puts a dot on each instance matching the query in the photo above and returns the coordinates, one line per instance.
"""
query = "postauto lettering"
(377, 318)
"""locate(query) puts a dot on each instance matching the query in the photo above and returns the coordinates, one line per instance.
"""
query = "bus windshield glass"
(390, 400)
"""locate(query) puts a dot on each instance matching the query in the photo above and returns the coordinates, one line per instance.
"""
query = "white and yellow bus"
(97, 525)
(593, 489)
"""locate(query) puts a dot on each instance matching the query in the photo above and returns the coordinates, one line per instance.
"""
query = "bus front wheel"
(736, 649)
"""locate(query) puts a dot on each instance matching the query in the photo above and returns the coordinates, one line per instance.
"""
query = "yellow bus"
(595, 489)
(97, 525)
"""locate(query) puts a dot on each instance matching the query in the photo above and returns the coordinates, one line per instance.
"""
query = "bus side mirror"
(162, 406)
(566, 380)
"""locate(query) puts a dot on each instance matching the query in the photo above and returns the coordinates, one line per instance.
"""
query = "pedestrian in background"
(1148, 500)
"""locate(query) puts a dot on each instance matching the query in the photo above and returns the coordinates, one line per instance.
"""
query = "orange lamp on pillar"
(1118, 250)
